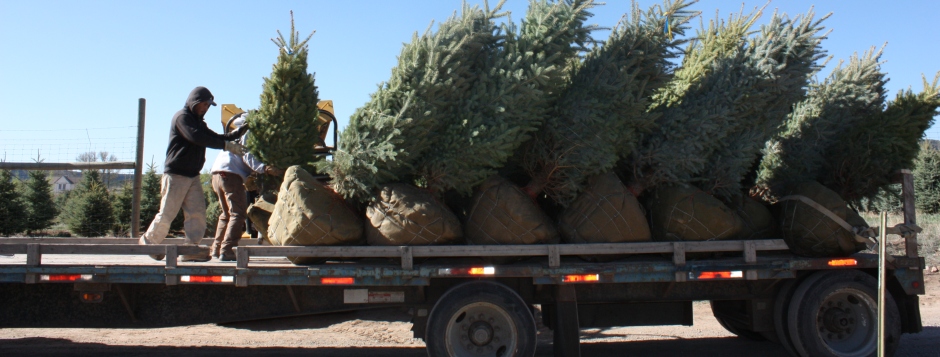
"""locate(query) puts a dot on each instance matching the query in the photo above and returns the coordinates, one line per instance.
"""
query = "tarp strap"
(870, 241)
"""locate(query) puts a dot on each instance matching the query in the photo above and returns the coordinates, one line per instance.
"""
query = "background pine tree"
(122, 206)
(602, 112)
(283, 127)
(12, 208)
(927, 179)
(90, 212)
(149, 197)
(40, 207)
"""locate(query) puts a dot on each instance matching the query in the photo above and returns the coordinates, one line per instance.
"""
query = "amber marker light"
(337, 281)
(581, 278)
(846, 262)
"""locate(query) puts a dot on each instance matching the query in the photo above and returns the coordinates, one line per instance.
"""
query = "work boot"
(228, 257)
(143, 241)
(214, 250)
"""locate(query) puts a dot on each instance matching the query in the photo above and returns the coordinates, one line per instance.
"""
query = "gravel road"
(386, 333)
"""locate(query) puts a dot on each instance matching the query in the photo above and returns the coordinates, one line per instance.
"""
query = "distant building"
(62, 184)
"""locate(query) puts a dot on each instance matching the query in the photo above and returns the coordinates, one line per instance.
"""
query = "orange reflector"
(483, 271)
(207, 279)
(92, 297)
(337, 281)
(846, 262)
(582, 278)
(705, 275)
(64, 277)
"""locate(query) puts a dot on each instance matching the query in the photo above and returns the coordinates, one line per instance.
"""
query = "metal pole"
(882, 254)
(910, 213)
(138, 168)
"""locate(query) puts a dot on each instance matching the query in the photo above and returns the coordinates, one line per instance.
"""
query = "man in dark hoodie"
(180, 185)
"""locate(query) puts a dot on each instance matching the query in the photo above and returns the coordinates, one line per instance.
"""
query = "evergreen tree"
(40, 207)
(285, 123)
(602, 112)
(123, 209)
(867, 156)
(783, 58)
(149, 197)
(386, 136)
(852, 92)
(213, 209)
(696, 113)
(12, 209)
(90, 212)
(516, 77)
(927, 179)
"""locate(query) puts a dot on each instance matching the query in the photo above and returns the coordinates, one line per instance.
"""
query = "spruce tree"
(90, 212)
(852, 92)
(602, 112)
(12, 208)
(927, 179)
(283, 126)
(783, 58)
(123, 205)
(386, 136)
(517, 76)
(868, 155)
(40, 208)
(149, 197)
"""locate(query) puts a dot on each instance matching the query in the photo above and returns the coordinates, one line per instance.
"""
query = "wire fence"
(93, 173)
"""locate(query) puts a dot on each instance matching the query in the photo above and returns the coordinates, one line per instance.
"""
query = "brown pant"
(233, 202)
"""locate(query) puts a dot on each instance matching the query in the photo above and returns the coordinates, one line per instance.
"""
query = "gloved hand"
(242, 130)
(235, 148)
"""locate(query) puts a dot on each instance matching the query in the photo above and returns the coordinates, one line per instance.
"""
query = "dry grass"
(928, 241)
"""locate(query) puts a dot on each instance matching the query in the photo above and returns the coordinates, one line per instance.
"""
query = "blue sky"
(66, 66)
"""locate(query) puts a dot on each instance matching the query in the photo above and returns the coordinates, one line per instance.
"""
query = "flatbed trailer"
(461, 304)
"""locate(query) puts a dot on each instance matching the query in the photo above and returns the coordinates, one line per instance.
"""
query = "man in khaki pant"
(229, 172)
(180, 187)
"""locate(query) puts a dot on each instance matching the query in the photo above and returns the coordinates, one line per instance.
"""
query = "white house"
(62, 184)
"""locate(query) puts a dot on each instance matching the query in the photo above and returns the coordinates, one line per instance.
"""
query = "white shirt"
(241, 166)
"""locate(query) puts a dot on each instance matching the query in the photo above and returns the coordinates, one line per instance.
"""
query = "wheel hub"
(481, 333)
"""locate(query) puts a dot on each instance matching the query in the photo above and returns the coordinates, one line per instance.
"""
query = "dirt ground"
(386, 333)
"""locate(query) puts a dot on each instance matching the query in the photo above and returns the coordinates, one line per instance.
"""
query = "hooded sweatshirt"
(190, 136)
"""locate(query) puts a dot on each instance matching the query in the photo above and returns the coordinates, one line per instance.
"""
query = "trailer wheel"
(719, 310)
(781, 307)
(481, 318)
(836, 315)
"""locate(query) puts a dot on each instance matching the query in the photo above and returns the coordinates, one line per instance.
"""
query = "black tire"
(481, 318)
(781, 306)
(836, 316)
(740, 331)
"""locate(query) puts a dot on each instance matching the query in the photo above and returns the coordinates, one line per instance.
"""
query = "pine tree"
(516, 78)
(123, 205)
(852, 92)
(149, 197)
(696, 111)
(927, 179)
(602, 112)
(386, 136)
(283, 126)
(12, 208)
(40, 208)
(90, 212)
(784, 58)
(867, 156)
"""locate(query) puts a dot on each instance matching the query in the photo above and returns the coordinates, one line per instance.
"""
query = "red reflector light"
(337, 281)
(847, 262)
(64, 277)
(705, 275)
(92, 297)
(581, 278)
(916, 284)
(207, 279)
